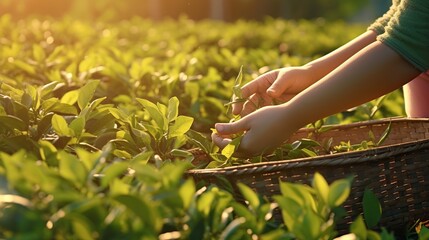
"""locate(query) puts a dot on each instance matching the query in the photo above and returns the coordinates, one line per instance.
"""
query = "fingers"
(284, 98)
(237, 108)
(289, 81)
(278, 87)
(226, 130)
(231, 128)
(246, 91)
(258, 86)
(244, 149)
(220, 141)
(255, 102)
(248, 147)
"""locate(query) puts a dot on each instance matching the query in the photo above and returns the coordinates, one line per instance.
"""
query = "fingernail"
(220, 127)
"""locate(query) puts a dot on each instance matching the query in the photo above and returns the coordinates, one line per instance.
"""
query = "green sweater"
(405, 29)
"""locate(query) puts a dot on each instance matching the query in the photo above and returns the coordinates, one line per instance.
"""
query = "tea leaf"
(215, 164)
(141, 208)
(60, 125)
(81, 226)
(44, 124)
(173, 109)
(86, 93)
(11, 165)
(309, 152)
(291, 210)
(250, 196)
(236, 100)
(77, 126)
(205, 202)
(321, 186)
(154, 112)
(113, 171)
(12, 122)
(295, 145)
(142, 158)
(385, 235)
(230, 149)
(338, 192)
(117, 113)
(384, 135)
(300, 193)
(46, 90)
(91, 159)
(236, 89)
(243, 211)
(310, 227)
(424, 233)
(72, 169)
(38, 53)
(182, 154)
(119, 187)
(187, 192)
(371, 208)
(70, 97)
(53, 105)
(163, 109)
(376, 106)
(140, 68)
(358, 228)
(180, 126)
(27, 100)
(200, 140)
(25, 67)
(237, 84)
(48, 152)
(232, 228)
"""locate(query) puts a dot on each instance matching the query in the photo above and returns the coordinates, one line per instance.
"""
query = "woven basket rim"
(371, 122)
(346, 158)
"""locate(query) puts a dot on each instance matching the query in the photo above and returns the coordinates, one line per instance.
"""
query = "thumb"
(272, 92)
(230, 128)
(278, 87)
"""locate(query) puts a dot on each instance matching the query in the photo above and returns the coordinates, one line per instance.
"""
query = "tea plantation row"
(96, 120)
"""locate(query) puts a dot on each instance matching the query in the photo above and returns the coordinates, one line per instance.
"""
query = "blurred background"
(226, 10)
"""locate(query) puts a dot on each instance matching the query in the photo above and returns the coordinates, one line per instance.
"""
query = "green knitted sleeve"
(379, 24)
(407, 32)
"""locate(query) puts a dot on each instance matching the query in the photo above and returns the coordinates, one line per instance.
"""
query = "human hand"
(264, 130)
(271, 88)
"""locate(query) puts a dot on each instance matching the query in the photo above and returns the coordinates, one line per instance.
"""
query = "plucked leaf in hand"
(230, 149)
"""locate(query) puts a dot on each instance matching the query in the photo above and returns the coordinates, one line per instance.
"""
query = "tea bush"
(97, 121)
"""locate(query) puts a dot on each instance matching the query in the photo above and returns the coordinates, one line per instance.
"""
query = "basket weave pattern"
(397, 172)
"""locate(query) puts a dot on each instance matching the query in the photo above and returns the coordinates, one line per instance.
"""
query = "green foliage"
(371, 208)
(309, 212)
(97, 120)
(424, 233)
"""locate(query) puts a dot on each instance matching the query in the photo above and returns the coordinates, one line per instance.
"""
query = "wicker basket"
(397, 172)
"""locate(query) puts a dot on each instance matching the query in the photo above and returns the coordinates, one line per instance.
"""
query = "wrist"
(291, 118)
(315, 70)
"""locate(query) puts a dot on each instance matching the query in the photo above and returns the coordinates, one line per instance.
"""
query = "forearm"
(372, 72)
(324, 65)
